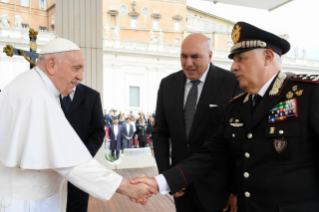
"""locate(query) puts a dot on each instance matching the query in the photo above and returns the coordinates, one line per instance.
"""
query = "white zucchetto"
(59, 45)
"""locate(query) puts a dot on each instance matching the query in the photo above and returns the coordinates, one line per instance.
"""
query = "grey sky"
(299, 19)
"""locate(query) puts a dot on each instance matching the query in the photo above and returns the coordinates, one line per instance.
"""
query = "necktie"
(67, 103)
(256, 100)
(190, 106)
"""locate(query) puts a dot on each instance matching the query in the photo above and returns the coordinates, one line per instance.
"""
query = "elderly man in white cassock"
(38, 146)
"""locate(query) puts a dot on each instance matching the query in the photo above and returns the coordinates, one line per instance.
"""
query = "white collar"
(49, 84)
(263, 90)
(203, 78)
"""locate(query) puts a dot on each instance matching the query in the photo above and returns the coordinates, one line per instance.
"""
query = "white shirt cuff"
(162, 184)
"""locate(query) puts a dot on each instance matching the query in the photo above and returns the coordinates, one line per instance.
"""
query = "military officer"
(141, 131)
(272, 131)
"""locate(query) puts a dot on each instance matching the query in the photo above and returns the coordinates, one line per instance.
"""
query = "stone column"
(81, 22)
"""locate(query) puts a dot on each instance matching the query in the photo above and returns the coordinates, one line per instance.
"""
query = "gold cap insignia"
(289, 95)
(236, 34)
(299, 93)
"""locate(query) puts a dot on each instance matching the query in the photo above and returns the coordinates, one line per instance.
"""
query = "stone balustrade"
(24, 34)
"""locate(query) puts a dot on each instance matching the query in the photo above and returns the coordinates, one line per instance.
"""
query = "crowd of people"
(125, 131)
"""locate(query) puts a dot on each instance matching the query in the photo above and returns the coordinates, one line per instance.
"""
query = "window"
(155, 39)
(207, 26)
(210, 41)
(24, 2)
(176, 40)
(42, 29)
(133, 22)
(201, 26)
(134, 96)
(113, 20)
(177, 25)
(189, 22)
(25, 26)
(7, 1)
(155, 23)
(195, 23)
(123, 9)
(145, 11)
(42, 4)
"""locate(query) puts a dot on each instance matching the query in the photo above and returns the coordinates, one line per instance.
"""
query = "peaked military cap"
(247, 37)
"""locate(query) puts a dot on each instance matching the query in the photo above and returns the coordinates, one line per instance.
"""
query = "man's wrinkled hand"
(231, 203)
(179, 193)
(147, 180)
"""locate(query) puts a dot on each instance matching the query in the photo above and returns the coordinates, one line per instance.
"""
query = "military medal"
(289, 95)
(294, 88)
(299, 93)
(272, 130)
(280, 145)
(285, 110)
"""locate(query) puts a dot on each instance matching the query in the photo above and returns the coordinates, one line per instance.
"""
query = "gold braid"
(28, 59)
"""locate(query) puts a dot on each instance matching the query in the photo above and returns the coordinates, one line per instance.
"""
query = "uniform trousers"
(190, 202)
(77, 199)
(142, 143)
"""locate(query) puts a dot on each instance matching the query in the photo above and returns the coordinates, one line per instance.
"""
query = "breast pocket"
(283, 142)
(235, 136)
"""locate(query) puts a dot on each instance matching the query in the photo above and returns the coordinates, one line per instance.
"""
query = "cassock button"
(281, 132)
(246, 174)
(234, 135)
(247, 194)
(247, 155)
(249, 135)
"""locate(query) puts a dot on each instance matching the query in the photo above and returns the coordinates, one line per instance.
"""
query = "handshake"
(139, 189)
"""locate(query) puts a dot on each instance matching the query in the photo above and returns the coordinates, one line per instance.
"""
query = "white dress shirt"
(116, 131)
(188, 86)
(161, 181)
(128, 128)
(71, 95)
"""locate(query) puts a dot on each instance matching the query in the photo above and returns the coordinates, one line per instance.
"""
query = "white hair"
(277, 58)
(58, 56)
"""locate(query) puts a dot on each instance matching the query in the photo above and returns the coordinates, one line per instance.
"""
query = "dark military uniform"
(141, 131)
(274, 147)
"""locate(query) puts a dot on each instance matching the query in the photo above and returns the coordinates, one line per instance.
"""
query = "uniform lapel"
(266, 104)
(245, 110)
(179, 103)
(210, 90)
(78, 98)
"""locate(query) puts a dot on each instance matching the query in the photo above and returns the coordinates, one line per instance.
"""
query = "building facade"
(141, 45)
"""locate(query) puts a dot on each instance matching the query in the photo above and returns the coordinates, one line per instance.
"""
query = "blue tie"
(67, 103)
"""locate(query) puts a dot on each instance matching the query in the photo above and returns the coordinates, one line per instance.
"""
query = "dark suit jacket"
(220, 86)
(276, 159)
(127, 134)
(115, 144)
(86, 117)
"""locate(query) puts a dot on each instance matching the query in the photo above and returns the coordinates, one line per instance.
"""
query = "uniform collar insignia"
(278, 84)
(246, 98)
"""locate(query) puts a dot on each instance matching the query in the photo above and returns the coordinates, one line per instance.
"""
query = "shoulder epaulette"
(305, 78)
(237, 97)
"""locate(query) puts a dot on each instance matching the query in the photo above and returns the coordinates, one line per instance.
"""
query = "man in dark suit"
(83, 110)
(115, 133)
(272, 130)
(141, 131)
(215, 88)
(127, 134)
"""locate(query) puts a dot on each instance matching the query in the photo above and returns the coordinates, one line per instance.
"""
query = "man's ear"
(268, 56)
(51, 65)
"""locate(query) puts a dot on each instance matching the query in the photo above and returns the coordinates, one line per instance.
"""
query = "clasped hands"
(139, 189)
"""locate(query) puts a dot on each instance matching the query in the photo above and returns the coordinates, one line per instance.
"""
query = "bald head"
(195, 56)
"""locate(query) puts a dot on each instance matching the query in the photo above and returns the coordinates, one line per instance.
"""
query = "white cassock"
(39, 149)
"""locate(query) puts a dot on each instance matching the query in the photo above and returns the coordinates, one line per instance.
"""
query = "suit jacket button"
(246, 174)
(249, 136)
(233, 135)
(281, 132)
(247, 194)
(247, 155)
